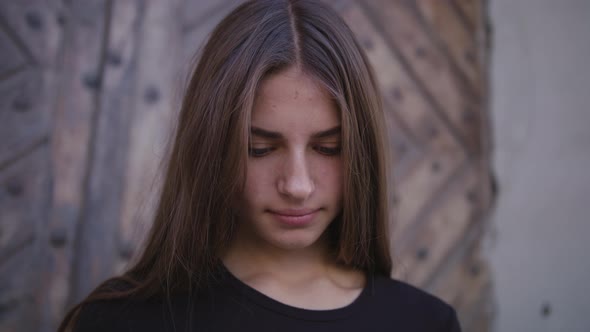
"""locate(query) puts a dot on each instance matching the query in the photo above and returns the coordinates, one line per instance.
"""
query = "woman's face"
(293, 187)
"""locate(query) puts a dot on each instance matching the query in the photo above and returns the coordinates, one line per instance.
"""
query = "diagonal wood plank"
(403, 101)
(24, 195)
(470, 11)
(12, 59)
(35, 26)
(417, 189)
(428, 67)
(466, 286)
(24, 118)
(424, 251)
(446, 29)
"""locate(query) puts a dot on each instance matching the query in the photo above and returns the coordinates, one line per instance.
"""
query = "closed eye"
(327, 150)
(259, 152)
(322, 149)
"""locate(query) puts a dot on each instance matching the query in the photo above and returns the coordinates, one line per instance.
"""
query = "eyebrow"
(276, 135)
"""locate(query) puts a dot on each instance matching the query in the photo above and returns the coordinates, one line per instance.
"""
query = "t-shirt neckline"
(278, 307)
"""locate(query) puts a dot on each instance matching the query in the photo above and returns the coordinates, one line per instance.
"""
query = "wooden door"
(88, 95)
(430, 60)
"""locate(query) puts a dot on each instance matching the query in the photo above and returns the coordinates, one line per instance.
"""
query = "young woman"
(273, 214)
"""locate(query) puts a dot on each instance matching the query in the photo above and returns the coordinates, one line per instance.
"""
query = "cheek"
(331, 176)
(258, 183)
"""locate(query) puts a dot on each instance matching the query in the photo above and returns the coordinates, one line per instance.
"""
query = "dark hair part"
(194, 221)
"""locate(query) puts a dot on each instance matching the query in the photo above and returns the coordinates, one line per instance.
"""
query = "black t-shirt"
(231, 305)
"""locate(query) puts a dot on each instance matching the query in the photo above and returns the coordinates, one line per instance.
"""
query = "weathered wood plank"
(459, 43)
(34, 25)
(24, 119)
(404, 153)
(442, 155)
(24, 196)
(75, 105)
(160, 45)
(12, 59)
(467, 287)
(463, 279)
(97, 237)
(418, 189)
(483, 313)
(402, 97)
(430, 69)
(471, 10)
(390, 76)
(28, 88)
(23, 191)
(446, 224)
(18, 284)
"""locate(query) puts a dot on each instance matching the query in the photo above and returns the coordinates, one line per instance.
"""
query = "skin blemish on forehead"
(296, 94)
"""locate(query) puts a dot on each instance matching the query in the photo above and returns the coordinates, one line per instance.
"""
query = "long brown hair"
(194, 220)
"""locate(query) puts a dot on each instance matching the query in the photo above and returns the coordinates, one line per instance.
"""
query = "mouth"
(295, 218)
(294, 212)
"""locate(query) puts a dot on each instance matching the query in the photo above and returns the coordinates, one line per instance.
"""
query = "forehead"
(293, 99)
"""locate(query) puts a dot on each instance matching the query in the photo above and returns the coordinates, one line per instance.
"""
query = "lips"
(295, 218)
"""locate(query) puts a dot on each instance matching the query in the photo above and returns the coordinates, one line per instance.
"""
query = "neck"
(246, 258)
(305, 278)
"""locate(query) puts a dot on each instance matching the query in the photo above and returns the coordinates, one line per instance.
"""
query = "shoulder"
(129, 315)
(406, 294)
(100, 316)
(112, 315)
(412, 306)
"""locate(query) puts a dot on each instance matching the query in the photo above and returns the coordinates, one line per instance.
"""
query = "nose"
(295, 181)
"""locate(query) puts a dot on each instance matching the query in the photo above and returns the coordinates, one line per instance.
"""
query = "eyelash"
(257, 153)
(328, 151)
(261, 152)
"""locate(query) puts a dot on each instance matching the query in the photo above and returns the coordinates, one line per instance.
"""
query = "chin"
(295, 241)
(271, 233)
